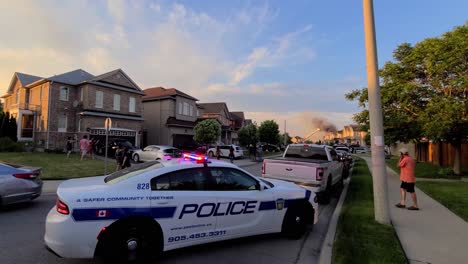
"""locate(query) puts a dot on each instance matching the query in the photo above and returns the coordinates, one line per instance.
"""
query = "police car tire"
(295, 222)
(136, 158)
(115, 244)
(211, 154)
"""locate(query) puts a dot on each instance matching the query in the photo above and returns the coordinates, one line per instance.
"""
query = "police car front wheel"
(295, 222)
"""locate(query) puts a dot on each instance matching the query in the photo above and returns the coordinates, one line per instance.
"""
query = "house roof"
(238, 115)
(160, 92)
(72, 77)
(26, 79)
(214, 107)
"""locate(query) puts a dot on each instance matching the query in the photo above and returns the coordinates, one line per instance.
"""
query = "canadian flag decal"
(102, 213)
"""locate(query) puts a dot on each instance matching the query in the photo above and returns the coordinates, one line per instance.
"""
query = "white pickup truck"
(311, 165)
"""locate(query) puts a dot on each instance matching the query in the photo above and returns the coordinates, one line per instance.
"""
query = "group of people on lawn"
(122, 154)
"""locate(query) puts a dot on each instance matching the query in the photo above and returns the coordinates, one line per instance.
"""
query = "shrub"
(8, 145)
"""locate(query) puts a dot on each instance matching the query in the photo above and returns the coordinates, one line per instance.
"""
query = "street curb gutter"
(327, 245)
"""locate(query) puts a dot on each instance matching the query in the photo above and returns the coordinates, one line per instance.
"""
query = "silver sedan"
(156, 152)
(19, 183)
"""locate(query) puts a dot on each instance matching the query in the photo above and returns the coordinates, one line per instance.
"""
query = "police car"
(138, 212)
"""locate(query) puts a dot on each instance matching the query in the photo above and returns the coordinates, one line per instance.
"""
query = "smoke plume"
(323, 124)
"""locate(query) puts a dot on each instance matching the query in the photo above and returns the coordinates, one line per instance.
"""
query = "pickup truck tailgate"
(296, 171)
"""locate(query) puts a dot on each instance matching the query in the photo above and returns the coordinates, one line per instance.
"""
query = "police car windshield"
(132, 171)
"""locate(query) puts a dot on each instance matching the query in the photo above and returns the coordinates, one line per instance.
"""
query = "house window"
(62, 123)
(186, 109)
(180, 108)
(64, 93)
(198, 113)
(99, 99)
(116, 102)
(81, 95)
(131, 105)
(17, 96)
(191, 110)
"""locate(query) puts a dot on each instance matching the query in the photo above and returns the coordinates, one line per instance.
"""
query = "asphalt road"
(22, 232)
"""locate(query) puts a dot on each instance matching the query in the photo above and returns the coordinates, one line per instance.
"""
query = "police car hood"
(89, 184)
(283, 184)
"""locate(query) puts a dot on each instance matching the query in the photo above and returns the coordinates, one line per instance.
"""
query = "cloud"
(285, 50)
(155, 7)
(117, 9)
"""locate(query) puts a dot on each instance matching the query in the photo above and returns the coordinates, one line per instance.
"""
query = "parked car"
(361, 150)
(315, 166)
(113, 145)
(19, 183)
(238, 152)
(270, 148)
(156, 152)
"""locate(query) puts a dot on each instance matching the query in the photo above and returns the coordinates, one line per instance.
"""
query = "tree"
(12, 129)
(268, 132)
(248, 135)
(207, 131)
(424, 92)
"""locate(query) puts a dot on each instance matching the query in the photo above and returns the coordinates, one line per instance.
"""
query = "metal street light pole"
(379, 173)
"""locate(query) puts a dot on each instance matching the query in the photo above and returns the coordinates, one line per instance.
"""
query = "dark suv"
(113, 145)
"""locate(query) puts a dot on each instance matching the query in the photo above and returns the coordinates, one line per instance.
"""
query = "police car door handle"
(289, 169)
(162, 202)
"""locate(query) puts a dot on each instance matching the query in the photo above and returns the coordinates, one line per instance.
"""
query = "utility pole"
(284, 135)
(379, 173)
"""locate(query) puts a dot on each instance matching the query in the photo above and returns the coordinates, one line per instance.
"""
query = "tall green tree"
(424, 92)
(248, 135)
(12, 129)
(282, 137)
(268, 132)
(207, 131)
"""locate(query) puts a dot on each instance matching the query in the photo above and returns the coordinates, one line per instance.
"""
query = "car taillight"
(263, 167)
(62, 207)
(319, 174)
(27, 175)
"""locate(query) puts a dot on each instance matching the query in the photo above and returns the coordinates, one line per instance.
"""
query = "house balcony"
(27, 106)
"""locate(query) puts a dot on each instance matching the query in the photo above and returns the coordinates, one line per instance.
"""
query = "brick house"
(76, 103)
(230, 122)
(169, 117)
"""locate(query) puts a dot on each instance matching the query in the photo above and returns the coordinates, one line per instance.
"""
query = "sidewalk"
(50, 186)
(432, 235)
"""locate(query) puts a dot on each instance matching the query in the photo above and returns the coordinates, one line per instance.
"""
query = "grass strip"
(453, 195)
(58, 166)
(424, 169)
(359, 238)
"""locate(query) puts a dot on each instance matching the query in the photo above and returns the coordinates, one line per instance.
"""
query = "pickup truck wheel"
(211, 154)
(136, 158)
(295, 222)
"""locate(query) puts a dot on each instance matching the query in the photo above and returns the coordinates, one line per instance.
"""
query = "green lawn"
(422, 170)
(58, 166)
(359, 238)
(453, 195)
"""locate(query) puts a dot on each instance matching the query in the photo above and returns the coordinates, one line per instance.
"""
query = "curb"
(327, 245)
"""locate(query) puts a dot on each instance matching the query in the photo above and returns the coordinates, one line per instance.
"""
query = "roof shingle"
(159, 92)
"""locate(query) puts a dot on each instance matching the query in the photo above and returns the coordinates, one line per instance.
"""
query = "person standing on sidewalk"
(408, 179)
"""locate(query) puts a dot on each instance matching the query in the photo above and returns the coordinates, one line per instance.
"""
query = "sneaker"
(413, 208)
(399, 205)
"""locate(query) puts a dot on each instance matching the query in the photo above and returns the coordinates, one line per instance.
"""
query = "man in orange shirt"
(406, 165)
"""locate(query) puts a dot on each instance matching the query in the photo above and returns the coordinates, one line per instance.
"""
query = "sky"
(288, 61)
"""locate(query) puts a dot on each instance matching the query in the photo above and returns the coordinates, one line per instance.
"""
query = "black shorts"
(408, 186)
